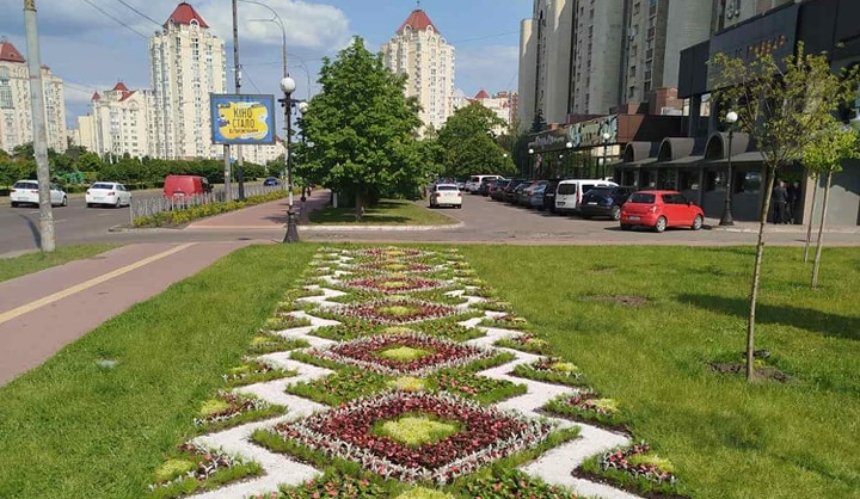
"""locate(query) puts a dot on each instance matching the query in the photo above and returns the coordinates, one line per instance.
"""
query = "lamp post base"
(292, 235)
(726, 219)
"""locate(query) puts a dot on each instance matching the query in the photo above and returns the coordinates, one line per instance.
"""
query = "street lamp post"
(569, 147)
(288, 85)
(726, 219)
(606, 138)
(531, 162)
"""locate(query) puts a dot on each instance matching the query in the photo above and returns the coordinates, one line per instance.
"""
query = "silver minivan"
(568, 194)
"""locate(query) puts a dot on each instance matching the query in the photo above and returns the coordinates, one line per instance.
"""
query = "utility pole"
(237, 75)
(40, 131)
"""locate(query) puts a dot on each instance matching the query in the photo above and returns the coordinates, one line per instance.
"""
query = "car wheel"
(89, 205)
(661, 224)
(14, 204)
(616, 213)
(65, 201)
(626, 227)
(698, 222)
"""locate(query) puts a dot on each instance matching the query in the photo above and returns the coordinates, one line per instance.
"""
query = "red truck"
(185, 186)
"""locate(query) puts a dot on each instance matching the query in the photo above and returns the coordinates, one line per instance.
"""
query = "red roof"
(126, 95)
(120, 87)
(418, 21)
(96, 96)
(184, 14)
(9, 53)
(482, 95)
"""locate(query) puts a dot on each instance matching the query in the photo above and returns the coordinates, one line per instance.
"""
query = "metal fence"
(145, 207)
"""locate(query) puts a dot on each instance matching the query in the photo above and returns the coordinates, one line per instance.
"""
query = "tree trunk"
(759, 256)
(811, 218)
(820, 243)
(359, 205)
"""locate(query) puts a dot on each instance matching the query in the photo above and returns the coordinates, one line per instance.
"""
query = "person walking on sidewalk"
(779, 198)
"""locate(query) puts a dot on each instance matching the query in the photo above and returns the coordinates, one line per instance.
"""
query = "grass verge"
(72, 429)
(726, 437)
(11, 268)
(387, 212)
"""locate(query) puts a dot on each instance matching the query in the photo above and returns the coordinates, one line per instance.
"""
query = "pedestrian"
(779, 199)
(794, 202)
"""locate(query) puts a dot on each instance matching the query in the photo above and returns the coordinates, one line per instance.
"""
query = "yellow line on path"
(95, 281)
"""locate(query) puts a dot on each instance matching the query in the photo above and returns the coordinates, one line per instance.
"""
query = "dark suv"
(604, 201)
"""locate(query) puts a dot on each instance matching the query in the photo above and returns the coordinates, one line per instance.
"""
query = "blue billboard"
(242, 119)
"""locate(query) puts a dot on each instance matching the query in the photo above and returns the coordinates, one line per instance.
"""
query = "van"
(568, 194)
(474, 183)
(185, 186)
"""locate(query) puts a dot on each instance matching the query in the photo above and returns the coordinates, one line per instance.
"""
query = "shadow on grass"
(815, 321)
(372, 214)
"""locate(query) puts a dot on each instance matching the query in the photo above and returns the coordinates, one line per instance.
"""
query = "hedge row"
(176, 218)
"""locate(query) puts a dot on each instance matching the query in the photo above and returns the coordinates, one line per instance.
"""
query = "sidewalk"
(266, 216)
(752, 228)
(43, 312)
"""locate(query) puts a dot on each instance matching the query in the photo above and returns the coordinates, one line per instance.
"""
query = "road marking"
(59, 295)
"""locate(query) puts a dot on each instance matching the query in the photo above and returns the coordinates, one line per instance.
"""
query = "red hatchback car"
(659, 210)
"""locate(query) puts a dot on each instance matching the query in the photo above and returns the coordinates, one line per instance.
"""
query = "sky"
(92, 50)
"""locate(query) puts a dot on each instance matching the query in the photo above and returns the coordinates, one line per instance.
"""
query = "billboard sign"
(242, 119)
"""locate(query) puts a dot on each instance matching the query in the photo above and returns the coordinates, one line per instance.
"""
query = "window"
(642, 198)
(715, 180)
(747, 182)
(5, 89)
(688, 180)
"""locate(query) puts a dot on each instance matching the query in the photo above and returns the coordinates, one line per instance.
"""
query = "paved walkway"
(43, 312)
(266, 216)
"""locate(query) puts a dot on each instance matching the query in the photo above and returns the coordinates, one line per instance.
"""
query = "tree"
(781, 106)
(824, 156)
(363, 129)
(469, 145)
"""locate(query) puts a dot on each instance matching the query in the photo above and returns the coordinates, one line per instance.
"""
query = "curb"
(121, 229)
(776, 230)
(378, 228)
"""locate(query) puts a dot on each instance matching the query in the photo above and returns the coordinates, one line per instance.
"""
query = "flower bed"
(253, 371)
(393, 284)
(551, 370)
(507, 321)
(588, 407)
(391, 252)
(397, 266)
(196, 469)
(341, 387)
(229, 409)
(440, 328)
(283, 322)
(396, 311)
(178, 217)
(526, 343)
(404, 354)
(486, 435)
(513, 484)
(636, 468)
(340, 486)
(480, 388)
(264, 343)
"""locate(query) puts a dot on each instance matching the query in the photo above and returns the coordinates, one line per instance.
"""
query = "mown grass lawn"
(72, 429)
(387, 212)
(726, 437)
(11, 268)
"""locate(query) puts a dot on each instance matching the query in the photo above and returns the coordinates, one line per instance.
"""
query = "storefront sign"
(584, 134)
(243, 119)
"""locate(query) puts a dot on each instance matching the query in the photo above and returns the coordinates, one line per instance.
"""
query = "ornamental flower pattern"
(396, 311)
(370, 353)
(394, 284)
(486, 436)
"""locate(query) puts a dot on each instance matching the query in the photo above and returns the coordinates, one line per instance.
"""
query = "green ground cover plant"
(726, 438)
(551, 370)
(11, 268)
(387, 212)
(176, 218)
(98, 432)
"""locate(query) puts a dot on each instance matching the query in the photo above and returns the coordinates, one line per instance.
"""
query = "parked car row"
(590, 198)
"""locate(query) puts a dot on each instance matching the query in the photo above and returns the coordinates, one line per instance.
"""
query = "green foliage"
(416, 430)
(468, 146)
(363, 130)
(834, 143)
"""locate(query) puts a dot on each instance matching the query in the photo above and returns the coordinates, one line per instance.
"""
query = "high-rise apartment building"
(544, 76)
(419, 51)
(656, 31)
(16, 123)
(187, 64)
(503, 104)
(120, 122)
(597, 36)
(580, 58)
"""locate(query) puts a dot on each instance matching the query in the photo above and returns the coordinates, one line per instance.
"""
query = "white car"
(474, 183)
(27, 192)
(446, 195)
(107, 194)
(568, 194)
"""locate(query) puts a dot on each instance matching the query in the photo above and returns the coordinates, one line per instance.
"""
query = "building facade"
(16, 123)
(121, 121)
(545, 58)
(188, 63)
(419, 51)
(728, 13)
(503, 104)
